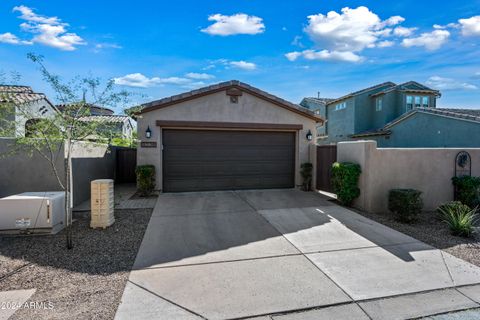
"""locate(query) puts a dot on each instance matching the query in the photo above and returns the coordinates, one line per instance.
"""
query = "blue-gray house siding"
(424, 129)
(370, 109)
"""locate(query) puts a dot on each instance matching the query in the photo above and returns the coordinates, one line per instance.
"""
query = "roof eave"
(232, 84)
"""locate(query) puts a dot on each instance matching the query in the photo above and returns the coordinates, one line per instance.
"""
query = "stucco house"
(226, 136)
(28, 107)
(430, 128)
(120, 125)
(358, 114)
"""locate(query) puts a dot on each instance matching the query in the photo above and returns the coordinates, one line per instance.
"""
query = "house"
(27, 108)
(318, 106)
(226, 136)
(358, 114)
(429, 128)
(120, 126)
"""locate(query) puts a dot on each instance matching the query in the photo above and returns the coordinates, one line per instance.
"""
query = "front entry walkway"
(286, 254)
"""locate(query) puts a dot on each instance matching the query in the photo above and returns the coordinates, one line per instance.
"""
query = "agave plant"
(460, 218)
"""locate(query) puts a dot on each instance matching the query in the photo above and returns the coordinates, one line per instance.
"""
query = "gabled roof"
(170, 101)
(356, 93)
(410, 86)
(322, 101)
(460, 114)
(20, 95)
(93, 108)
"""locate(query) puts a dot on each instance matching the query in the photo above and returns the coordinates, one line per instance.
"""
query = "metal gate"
(126, 164)
(326, 156)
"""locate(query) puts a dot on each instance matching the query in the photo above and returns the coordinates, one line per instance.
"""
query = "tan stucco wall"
(426, 169)
(217, 107)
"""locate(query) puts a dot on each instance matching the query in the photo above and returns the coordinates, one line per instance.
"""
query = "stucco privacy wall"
(24, 172)
(426, 169)
(90, 161)
(216, 107)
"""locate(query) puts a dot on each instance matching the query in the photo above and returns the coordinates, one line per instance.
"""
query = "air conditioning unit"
(36, 212)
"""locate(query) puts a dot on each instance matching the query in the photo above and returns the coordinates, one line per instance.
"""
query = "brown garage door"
(195, 160)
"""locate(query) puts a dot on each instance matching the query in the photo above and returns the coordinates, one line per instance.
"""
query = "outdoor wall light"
(309, 135)
(148, 133)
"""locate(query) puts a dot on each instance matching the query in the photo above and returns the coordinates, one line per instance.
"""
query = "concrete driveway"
(286, 254)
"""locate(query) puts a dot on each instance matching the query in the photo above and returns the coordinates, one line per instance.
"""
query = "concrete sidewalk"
(286, 254)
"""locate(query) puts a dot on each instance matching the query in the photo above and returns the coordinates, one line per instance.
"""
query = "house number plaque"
(148, 144)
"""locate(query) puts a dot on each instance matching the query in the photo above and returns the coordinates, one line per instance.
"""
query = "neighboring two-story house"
(364, 113)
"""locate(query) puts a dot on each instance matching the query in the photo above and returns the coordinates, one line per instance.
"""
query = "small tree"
(68, 127)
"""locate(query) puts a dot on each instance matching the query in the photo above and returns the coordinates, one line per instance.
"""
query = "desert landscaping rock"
(85, 282)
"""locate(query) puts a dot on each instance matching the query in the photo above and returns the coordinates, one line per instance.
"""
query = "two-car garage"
(227, 160)
(225, 137)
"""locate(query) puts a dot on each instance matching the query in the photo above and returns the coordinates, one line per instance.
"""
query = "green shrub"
(345, 181)
(406, 204)
(145, 179)
(306, 173)
(467, 190)
(459, 217)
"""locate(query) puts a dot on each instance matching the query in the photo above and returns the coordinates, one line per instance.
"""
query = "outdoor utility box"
(102, 203)
(35, 212)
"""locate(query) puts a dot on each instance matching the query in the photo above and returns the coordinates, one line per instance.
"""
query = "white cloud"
(199, 76)
(470, 26)
(441, 83)
(449, 25)
(239, 23)
(243, 65)
(228, 64)
(403, 32)
(29, 15)
(292, 56)
(49, 31)
(385, 44)
(107, 45)
(351, 30)
(430, 40)
(137, 80)
(12, 39)
(343, 36)
(325, 55)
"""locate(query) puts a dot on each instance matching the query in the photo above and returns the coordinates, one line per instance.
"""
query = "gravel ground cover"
(430, 229)
(85, 282)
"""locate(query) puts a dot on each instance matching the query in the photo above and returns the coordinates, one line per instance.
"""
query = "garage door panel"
(202, 169)
(207, 153)
(226, 160)
(237, 138)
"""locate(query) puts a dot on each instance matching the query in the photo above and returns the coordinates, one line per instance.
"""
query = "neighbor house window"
(409, 103)
(379, 104)
(340, 106)
(417, 102)
(425, 102)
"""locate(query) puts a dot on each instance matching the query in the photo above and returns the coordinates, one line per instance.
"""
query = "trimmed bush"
(467, 190)
(459, 217)
(406, 204)
(345, 177)
(145, 179)
(306, 173)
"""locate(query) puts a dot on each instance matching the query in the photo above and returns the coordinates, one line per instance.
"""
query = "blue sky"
(289, 48)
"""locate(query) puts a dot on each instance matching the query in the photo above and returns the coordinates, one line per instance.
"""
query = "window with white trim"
(409, 103)
(340, 106)
(425, 102)
(378, 104)
(417, 101)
